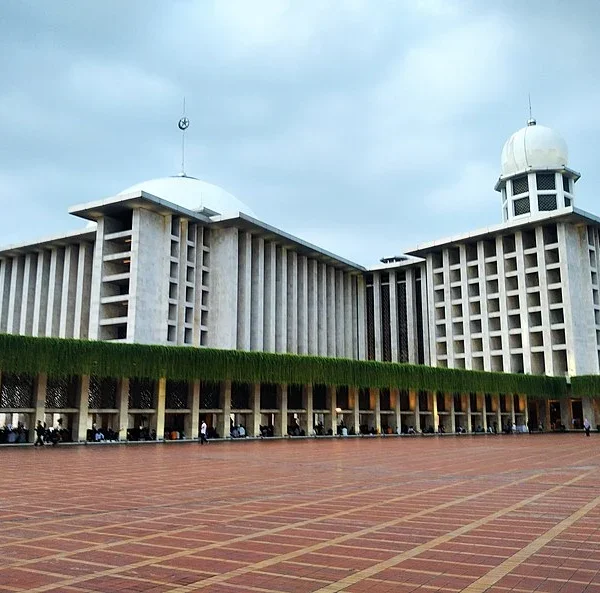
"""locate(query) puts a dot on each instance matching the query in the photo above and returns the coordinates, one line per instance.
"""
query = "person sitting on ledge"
(411, 430)
(241, 431)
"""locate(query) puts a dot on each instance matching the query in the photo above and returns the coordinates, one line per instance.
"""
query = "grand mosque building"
(177, 261)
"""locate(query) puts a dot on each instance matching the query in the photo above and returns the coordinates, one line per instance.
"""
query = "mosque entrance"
(555, 415)
(577, 414)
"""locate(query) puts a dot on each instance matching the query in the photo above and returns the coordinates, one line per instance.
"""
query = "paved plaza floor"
(427, 514)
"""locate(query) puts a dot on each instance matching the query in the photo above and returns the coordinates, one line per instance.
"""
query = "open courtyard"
(389, 515)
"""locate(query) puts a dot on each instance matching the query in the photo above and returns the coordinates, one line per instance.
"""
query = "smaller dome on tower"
(533, 147)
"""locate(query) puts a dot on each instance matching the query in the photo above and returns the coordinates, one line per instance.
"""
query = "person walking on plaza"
(40, 431)
(203, 429)
(587, 426)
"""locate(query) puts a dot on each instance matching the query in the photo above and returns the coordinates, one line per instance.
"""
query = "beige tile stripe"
(357, 534)
(494, 575)
(497, 572)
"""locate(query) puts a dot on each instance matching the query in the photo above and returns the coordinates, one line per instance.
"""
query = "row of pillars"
(332, 414)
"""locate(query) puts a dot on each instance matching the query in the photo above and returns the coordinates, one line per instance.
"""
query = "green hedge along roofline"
(64, 357)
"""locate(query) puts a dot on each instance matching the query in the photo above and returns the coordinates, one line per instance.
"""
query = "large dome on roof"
(534, 147)
(191, 193)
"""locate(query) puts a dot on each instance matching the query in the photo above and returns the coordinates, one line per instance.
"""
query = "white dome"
(534, 147)
(192, 193)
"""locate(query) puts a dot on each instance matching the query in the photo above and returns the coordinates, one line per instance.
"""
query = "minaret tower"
(535, 177)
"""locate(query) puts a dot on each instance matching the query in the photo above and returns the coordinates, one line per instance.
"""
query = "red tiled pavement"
(399, 515)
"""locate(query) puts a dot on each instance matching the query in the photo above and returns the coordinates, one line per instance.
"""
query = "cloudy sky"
(364, 126)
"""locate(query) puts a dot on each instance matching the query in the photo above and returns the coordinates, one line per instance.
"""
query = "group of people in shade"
(10, 434)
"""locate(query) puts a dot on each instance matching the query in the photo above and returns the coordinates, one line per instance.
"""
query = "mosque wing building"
(178, 261)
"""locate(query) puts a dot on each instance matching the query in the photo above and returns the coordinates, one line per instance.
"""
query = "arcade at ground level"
(510, 513)
(93, 390)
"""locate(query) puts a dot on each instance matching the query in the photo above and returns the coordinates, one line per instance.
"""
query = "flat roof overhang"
(570, 214)
(88, 235)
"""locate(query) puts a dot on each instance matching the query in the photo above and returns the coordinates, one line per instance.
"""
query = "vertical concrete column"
(307, 404)
(434, 408)
(192, 420)
(411, 316)
(281, 307)
(413, 398)
(292, 301)
(161, 396)
(587, 406)
(312, 308)
(450, 396)
(39, 397)
(226, 407)
(68, 291)
(3, 293)
(349, 308)
(513, 415)
(332, 405)
(353, 402)
(340, 318)
(255, 404)
(303, 317)
(330, 314)
(257, 295)
(525, 408)
(497, 397)
(469, 426)
(123, 407)
(395, 402)
(566, 416)
(25, 322)
(282, 405)
(82, 291)
(374, 396)
(81, 422)
(322, 309)
(270, 291)
(244, 291)
(481, 398)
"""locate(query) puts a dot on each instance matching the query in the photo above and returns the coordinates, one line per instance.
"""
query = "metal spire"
(183, 125)
(531, 121)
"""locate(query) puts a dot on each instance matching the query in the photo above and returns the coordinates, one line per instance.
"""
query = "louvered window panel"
(420, 329)
(177, 395)
(370, 324)
(102, 393)
(16, 391)
(240, 396)
(565, 181)
(141, 394)
(520, 185)
(210, 395)
(386, 329)
(546, 181)
(402, 322)
(61, 392)
(547, 202)
(521, 206)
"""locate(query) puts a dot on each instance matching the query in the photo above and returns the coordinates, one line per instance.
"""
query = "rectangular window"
(521, 206)
(520, 185)
(546, 181)
(546, 202)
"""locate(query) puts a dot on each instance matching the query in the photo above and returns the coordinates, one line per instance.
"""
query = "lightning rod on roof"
(531, 121)
(183, 125)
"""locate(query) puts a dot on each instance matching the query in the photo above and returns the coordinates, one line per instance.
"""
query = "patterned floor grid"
(384, 515)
